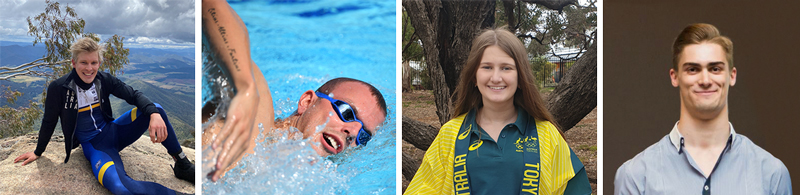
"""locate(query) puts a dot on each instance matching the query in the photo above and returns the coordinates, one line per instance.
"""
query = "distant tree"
(57, 28)
(412, 51)
(15, 121)
(542, 27)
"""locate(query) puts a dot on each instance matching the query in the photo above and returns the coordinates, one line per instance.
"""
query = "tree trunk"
(424, 17)
(459, 23)
(511, 20)
(419, 134)
(446, 29)
(406, 76)
(576, 94)
(410, 166)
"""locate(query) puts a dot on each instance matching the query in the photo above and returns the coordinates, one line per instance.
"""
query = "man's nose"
(350, 129)
(705, 78)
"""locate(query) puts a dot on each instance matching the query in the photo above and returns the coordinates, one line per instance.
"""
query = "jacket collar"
(73, 75)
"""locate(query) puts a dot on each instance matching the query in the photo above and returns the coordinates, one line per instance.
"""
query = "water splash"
(283, 163)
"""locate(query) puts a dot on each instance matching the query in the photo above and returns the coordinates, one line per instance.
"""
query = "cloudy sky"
(143, 23)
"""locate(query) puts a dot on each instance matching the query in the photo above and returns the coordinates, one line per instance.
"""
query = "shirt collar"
(677, 139)
(521, 122)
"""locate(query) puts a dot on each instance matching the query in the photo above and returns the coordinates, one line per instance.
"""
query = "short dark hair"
(333, 83)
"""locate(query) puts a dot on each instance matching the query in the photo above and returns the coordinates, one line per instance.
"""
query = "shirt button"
(706, 187)
(504, 136)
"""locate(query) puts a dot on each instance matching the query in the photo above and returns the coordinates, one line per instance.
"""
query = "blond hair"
(86, 44)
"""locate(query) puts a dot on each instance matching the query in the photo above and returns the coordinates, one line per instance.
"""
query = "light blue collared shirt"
(666, 168)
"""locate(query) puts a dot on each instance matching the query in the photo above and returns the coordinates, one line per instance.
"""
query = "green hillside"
(179, 108)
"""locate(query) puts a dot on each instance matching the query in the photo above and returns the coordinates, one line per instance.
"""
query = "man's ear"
(733, 76)
(673, 76)
(306, 100)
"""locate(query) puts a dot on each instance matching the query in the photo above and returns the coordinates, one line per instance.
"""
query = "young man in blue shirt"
(703, 153)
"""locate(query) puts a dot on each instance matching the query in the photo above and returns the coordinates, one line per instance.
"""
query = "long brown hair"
(527, 96)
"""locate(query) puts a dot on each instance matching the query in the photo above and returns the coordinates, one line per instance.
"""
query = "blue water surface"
(299, 45)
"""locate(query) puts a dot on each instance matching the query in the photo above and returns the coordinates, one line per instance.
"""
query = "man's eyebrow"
(715, 63)
(691, 64)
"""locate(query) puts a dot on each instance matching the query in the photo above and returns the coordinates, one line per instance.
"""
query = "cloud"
(149, 42)
(156, 19)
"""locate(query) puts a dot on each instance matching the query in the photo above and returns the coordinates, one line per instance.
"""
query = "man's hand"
(27, 157)
(158, 129)
(237, 133)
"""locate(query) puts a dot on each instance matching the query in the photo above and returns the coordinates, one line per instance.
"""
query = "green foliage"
(541, 69)
(579, 20)
(592, 148)
(57, 30)
(542, 28)
(115, 55)
(17, 121)
(528, 21)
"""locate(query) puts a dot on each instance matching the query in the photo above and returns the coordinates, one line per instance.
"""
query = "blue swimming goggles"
(347, 114)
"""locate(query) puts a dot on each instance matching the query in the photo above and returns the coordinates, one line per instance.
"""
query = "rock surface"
(144, 161)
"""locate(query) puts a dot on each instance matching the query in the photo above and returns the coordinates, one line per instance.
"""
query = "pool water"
(299, 45)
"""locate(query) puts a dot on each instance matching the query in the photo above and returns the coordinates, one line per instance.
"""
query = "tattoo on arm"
(224, 36)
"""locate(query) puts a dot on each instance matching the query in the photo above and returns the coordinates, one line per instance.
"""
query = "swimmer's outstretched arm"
(229, 41)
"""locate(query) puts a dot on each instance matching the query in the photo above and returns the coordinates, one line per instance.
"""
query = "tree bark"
(406, 76)
(511, 20)
(576, 94)
(424, 17)
(460, 22)
(446, 29)
(553, 4)
(410, 166)
(419, 134)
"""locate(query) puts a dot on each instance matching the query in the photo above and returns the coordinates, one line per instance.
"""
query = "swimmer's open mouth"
(334, 144)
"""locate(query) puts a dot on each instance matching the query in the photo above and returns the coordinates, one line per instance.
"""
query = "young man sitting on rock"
(80, 100)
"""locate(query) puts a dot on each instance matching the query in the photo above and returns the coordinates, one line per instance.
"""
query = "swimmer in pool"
(350, 109)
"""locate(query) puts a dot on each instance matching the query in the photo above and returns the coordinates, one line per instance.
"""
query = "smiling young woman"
(503, 140)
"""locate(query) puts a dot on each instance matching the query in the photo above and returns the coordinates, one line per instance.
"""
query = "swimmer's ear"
(306, 100)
